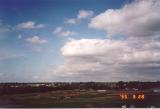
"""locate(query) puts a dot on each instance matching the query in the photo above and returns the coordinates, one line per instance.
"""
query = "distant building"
(156, 90)
(101, 91)
(135, 89)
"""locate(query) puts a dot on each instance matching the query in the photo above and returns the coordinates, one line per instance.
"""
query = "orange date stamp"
(134, 96)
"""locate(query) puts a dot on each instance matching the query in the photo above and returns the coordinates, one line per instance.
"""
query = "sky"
(79, 40)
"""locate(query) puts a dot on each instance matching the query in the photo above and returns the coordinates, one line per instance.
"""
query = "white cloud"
(140, 18)
(72, 21)
(61, 32)
(136, 57)
(39, 26)
(82, 14)
(36, 40)
(113, 51)
(67, 33)
(57, 30)
(89, 47)
(133, 58)
(29, 25)
(101, 59)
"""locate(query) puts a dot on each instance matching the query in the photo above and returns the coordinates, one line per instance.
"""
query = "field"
(79, 98)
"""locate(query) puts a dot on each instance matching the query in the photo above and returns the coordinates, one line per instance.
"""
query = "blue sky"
(34, 36)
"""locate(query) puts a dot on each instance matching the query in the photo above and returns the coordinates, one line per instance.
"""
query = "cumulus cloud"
(113, 51)
(36, 40)
(114, 59)
(61, 32)
(141, 18)
(29, 25)
(82, 14)
(134, 57)
(67, 33)
(72, 21)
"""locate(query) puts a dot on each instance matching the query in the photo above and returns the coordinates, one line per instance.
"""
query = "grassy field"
(77, 99)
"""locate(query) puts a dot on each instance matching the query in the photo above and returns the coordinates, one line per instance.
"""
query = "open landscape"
(80, 95)
(79, 53)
